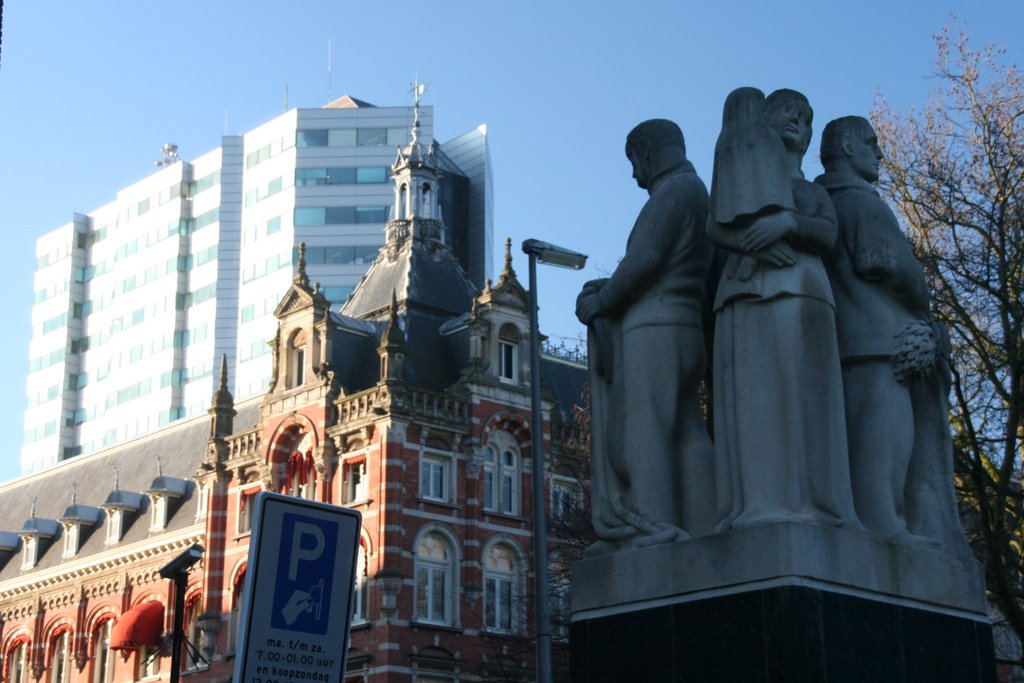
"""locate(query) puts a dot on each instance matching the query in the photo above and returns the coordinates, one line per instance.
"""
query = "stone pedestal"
(783, 602)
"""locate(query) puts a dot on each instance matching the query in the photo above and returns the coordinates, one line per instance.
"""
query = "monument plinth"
(781, 602)
(817, 539)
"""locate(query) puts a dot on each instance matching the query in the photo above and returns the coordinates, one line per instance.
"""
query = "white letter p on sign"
(300, 530)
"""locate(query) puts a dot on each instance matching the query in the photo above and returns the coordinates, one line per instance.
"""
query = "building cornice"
(83, 568)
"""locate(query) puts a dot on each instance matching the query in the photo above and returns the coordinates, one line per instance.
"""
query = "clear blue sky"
(90, 91)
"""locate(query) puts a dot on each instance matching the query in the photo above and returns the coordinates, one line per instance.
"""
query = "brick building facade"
(411, 405)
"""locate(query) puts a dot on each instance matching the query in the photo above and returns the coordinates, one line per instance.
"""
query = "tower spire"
(222, 411)
(417, 90)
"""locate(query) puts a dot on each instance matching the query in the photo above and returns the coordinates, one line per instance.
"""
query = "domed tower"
(415, 174)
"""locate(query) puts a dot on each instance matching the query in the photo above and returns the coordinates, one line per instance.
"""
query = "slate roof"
(354, 352)
(565, 380)
(181, 447)
(421, 271)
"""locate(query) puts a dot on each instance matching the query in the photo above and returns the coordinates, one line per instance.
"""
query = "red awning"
(141, 625)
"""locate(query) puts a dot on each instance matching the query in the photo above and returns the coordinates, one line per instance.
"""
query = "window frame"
(358, 492)
(103, 656)
(438, 463)
(509, 338)
(59, 669)
(429, 574)
(508, 361)
(361, 591)
(17, 659)
(501, 611)
(244, 521)
(502, 475)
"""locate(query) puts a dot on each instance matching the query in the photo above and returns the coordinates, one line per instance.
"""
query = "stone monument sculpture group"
(828, 375)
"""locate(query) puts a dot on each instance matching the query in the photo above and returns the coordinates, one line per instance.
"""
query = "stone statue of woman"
(780, 433)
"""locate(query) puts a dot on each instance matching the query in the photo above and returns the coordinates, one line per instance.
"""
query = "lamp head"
(545, 252)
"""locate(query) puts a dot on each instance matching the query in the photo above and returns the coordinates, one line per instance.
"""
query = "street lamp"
(177, 571)
(564, 258)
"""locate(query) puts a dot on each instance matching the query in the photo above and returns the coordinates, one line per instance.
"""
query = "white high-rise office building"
(136, 302)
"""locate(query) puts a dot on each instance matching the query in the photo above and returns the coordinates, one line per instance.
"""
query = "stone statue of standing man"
(891, 352)
(652, 458)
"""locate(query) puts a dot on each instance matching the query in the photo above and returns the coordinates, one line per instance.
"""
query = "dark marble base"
(789, 634)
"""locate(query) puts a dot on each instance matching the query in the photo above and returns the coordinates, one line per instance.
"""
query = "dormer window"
(115, 521)
(163, 492)
(158, 520)
(30, 555)
(9, 542)
(508, 354)
(34, 534)
(72, 534)
(77, 520)
(297, 359)
(118, 506)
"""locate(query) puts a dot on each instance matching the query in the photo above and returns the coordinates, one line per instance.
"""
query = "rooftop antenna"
(286, 97)
(330, 90)
(168, 155)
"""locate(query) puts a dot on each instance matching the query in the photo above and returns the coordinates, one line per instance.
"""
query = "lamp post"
(564, 258)
(177, 571)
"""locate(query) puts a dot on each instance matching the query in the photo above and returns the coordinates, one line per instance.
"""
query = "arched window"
(149, 662)
(434, 574)
(297, 359)
(60, 656)
(362, 592)
(17, 661)
(246, 500)
(508, 353)
(403, 202)
(237, 589)
(103, 657)
(190, 658)
(501, 474)
(501, 587)
(425, 201)
(300, 478)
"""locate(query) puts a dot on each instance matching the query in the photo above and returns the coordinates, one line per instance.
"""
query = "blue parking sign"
(305, 574)
(297, 600)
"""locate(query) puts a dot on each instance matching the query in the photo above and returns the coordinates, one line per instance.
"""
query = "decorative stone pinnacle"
(300, 274)
(393, 336)
(508, 273)
(222, 397)
(223, 372)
